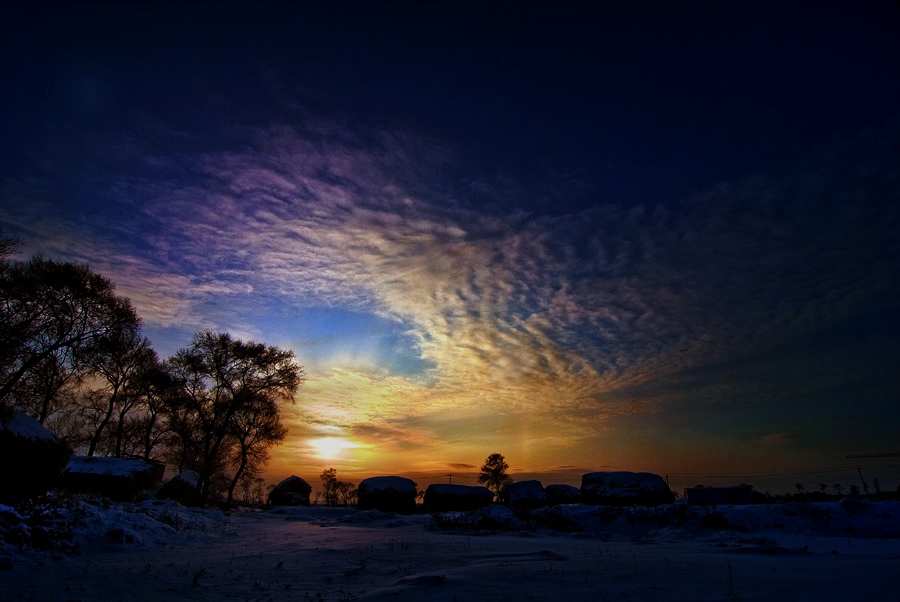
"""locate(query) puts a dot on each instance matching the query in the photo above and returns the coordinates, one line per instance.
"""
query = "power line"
(450, 476)
(791, 473)
(760, 474)
(888, 455)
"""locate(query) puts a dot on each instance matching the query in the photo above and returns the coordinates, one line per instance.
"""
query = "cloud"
(564, 319)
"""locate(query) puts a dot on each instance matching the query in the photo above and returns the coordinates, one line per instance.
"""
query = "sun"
(330, 448)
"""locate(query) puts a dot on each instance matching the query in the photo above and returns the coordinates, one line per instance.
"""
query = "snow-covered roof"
(293, 481)
(25, 427)
(107, 466)
(188, 477)
(624, 481)
(385, 483)
(448, 489)
(521, 490)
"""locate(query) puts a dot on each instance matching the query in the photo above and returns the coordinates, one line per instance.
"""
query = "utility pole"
(865, 486)
(451, 478)
(853, 456)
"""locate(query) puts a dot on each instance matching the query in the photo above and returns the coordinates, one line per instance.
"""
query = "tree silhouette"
(8, 245)
(52, 310)
(221, 382)
(336, 492)
(120, 358)
(493, 473)
(49, 388)
(256, 427)
(147, 430)
(72, 355)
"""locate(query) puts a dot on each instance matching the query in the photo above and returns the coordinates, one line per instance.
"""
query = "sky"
(589, 236)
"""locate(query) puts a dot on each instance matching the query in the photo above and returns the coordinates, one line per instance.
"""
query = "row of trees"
(73, 356)
(335, 492)
(839, 489)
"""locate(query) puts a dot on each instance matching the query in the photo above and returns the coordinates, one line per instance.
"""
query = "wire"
(761, 474)
(890, 455)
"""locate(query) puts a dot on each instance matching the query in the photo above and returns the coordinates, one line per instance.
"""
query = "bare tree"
(155, 387)
(336, 492)
(255, 427)
(220, 379)
(180, 414)
(49, 308)
(48, 388)
(330, 486)
(119, 358)
(8, 246)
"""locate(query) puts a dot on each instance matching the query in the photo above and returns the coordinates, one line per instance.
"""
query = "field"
(153, 551)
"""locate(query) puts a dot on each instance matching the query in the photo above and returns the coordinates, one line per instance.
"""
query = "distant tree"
(8, 245)
(823, 487)
(330, 486)
(838, 488)
(854, 490)
(493, 473)
(222, 382)
(253, 489)
(347, 493)
(877, 485)
(335, 492)
(800, 488)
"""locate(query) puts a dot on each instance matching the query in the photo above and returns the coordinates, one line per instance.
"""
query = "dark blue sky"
(633, 102)
(620, 232)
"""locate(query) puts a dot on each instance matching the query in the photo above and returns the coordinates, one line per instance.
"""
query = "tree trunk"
(27, 365)
(212, 453)
(95, 440)
(120, 432)
(201, 494)
(148, 436)
(207, 469)
(237, 477)
(45, 407)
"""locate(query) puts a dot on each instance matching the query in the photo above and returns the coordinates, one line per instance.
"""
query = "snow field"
(162, 551)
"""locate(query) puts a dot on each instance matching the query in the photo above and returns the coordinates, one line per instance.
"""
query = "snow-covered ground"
(153, 551)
